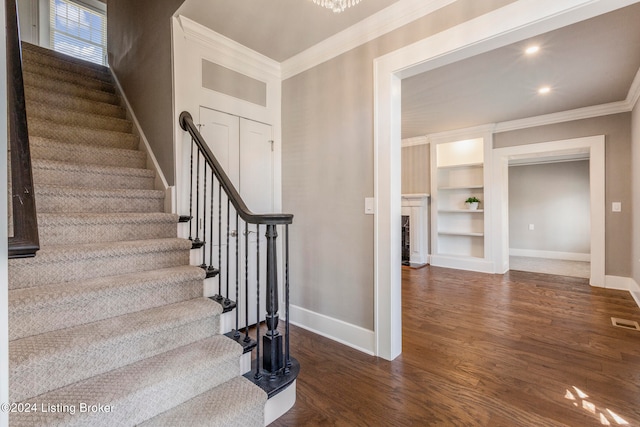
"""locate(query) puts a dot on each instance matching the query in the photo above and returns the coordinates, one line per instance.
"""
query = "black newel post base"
(272, 360)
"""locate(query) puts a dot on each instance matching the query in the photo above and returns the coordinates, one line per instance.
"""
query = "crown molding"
(245, 60)
(376, 25)
(464, 133)
(634, 91)
(416, 140)
(565, 116)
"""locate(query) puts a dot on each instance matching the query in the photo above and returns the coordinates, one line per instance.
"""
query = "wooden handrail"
(24, 242)
(186, 123)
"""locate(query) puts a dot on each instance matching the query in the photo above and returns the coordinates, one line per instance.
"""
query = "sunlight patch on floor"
(579, 400)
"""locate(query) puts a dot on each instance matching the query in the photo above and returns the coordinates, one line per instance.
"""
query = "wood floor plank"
(520, 349)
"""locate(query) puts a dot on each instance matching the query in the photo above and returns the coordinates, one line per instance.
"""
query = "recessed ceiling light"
(532, 49)
(544, 90)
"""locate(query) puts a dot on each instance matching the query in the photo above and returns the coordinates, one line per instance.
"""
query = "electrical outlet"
(616, 207)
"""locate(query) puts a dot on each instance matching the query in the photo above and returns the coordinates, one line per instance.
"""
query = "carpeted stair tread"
(69, 102)
(35, 81)
(236, 403)
(68, 263)
(81, 135)
(53, 198)
(45, 362)
(60, 74)
(92, 176)
(79, 228)
(141, 390)
(46, 308)
(48, 149)
(50, 58)
(69, 117)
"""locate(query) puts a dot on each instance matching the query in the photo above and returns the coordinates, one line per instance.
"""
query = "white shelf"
(462, 187)
(460, 233)
(468, 165)
(460, 211)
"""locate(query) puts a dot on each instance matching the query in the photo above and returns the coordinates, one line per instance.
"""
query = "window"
(79, 30)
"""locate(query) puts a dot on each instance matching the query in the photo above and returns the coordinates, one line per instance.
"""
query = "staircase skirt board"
(108, 324)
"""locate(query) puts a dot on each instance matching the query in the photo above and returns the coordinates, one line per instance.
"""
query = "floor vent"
(623, 323)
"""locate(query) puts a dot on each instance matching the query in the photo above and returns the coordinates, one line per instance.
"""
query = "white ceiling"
(278, 29)
(589, 63)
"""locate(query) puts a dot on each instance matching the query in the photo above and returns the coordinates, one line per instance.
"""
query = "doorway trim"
(514, 22)
(595, 146)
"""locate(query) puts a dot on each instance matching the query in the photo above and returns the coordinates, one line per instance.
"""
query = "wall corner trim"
(345, 333)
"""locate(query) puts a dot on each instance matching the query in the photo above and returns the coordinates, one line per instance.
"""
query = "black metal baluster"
(228, 231)
(220, 241)
(246, 281)
(197, 243)
(204, 220)
(191, 194)
(211, 271)
(287, 356)
(237, 332)
(258, 374)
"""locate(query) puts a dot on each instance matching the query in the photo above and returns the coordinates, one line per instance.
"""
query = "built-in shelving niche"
(458, 171)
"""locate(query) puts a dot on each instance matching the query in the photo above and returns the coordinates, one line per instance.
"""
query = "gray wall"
(416, 169)
(617, 131)
(635, 171)
(327, 169)
(554, 197)
(139, 47)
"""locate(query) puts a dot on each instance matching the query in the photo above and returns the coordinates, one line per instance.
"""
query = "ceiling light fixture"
(532, 49)
(336, 5)
(544, 90)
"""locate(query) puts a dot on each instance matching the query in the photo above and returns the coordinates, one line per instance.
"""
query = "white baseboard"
(160, 182)
(567, 256)
(345, 333)
(463, 263)
(624, 284)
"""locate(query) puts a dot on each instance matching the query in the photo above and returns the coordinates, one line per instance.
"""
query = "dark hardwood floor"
(523, 349)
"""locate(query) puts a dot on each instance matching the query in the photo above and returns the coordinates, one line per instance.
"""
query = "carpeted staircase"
(108, 325)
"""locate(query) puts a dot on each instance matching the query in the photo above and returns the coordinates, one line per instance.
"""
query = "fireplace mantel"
(416, 207)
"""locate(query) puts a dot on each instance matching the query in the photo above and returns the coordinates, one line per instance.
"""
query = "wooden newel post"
(272, 359)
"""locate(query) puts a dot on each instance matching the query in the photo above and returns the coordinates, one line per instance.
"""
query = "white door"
(244, 150)
(221, 132)
(256, 188)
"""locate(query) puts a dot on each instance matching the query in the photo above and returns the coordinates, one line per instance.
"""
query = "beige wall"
(139, 47)
(327, 169)
(416, 169)
(554, 197)
(635, 172)
(617, 131)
